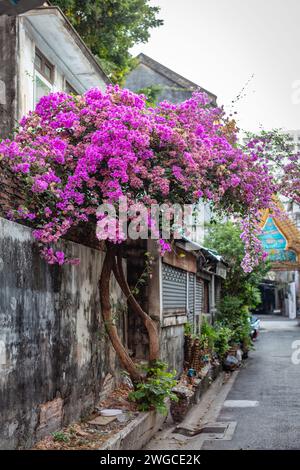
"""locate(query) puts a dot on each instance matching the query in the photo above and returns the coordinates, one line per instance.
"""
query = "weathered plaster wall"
(172, 342)
(55, 359)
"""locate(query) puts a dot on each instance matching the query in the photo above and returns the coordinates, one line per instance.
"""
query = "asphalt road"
(271, 379)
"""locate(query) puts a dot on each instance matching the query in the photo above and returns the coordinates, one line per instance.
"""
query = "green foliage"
(225, 238)
(207, 336)
(240, 293)
(157, 387)
(111, 27)
(234, 315)
(60, 436)
(188, 329)
(216, 338)
(230, 307)
(147, 272)
(151, 93)
(224, 335)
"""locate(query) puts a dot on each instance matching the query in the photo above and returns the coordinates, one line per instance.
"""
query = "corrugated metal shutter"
(173, 289)
(217, 292)
(206, 307)
(199, 296)
(191, 298)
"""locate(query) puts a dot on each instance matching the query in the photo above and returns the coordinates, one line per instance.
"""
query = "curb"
(137, 433)
(140, 430)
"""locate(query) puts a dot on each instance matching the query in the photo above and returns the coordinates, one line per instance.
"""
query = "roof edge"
(55, 9)
(171, 75)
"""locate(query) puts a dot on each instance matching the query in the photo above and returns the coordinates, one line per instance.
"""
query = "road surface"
(262, 406)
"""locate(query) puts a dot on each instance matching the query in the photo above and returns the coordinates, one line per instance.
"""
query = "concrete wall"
(55, 359)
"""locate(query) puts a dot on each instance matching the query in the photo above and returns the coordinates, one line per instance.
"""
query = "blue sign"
(283, 255)
(275, 243)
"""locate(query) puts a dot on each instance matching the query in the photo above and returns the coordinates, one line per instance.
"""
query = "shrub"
(60, 436)
(234, 315)
(157, 386)
(207, 336)
(188, 329)
(223, 337)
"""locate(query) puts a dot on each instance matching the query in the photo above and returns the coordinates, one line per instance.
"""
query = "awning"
(193, 246)
(210, 261)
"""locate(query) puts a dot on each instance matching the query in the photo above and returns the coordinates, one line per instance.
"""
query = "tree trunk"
(147, 321)
(104, 288)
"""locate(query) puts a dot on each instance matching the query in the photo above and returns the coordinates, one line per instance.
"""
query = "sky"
(225, 45)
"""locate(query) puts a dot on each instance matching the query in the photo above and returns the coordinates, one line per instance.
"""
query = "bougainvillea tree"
(74, 153)
(276, 148)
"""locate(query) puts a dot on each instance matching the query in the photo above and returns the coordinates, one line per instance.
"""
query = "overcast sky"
(220, 44)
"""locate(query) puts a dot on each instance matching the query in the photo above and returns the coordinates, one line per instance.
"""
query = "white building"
(294, 140)
(41, 52)
(291, 207)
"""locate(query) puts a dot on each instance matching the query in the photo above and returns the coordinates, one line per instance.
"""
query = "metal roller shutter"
(191, 298)
(174, 288)
(199, 296)
(217, 292)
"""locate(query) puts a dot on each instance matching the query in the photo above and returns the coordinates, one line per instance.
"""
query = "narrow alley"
(262, 406)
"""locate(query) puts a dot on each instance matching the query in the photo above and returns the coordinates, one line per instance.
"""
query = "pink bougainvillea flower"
(77, 152)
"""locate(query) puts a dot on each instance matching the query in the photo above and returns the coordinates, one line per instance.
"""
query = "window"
(44, 76)
(69, 89)
(41, 88)
(43, 66)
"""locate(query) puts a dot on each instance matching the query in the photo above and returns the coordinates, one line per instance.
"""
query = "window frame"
(41, 77)
(69, 88)
(44, 63)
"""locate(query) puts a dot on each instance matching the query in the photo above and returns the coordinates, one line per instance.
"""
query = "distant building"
(293, 211)
(294, 140)
(291, 207)
(173, 87)
(41, 52)
(186, 284)
(280, 290)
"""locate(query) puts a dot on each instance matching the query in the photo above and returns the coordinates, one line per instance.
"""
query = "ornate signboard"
(281, 240)
(275, 243)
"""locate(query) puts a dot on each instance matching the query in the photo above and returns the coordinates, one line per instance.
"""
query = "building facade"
(170, 85)
(55, 361)
(41, 53)
(280, 290)
(187, 279)
(183, 286)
